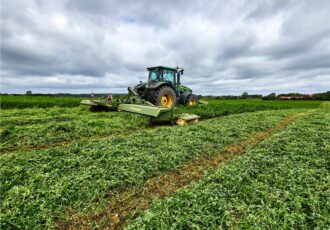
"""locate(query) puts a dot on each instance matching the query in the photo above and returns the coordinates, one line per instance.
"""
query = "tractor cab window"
(168, 75)
(154, 75)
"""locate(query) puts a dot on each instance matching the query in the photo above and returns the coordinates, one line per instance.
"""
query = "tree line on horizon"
(274, 96)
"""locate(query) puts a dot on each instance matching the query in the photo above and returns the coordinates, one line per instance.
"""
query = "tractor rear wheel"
(192, 100)
(163, 96)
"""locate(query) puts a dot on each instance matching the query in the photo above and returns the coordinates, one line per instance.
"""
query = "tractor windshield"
(168, 75)
(157, 75)
(154, 75)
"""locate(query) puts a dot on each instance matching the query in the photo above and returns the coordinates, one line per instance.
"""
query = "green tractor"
(164, 88)
(155, 98)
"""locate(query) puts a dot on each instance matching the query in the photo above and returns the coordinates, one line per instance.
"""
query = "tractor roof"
(161, 67)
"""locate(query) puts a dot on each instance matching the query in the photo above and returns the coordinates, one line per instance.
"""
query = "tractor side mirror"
(181, 72)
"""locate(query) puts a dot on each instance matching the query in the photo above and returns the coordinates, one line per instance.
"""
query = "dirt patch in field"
(125, 204)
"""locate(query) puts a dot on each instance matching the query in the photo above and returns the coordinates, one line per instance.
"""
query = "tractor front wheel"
(163, 96)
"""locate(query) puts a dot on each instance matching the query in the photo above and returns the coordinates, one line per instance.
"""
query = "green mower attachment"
(159, 114)
(132, 103)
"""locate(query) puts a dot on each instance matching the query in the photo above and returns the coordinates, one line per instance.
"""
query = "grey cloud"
(264, 9)
(225, 47)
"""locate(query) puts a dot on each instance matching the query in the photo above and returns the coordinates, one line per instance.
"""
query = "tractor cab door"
(157, 75)
(169, 76)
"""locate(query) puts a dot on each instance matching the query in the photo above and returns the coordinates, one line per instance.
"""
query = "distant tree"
(322, 96)
(255, 96)
(271, 96)
(244, 95)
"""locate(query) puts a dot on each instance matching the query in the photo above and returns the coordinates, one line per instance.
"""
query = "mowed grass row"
(214, 108)
(26, 128)
(284, 183)
(41, 186)
(63, 124)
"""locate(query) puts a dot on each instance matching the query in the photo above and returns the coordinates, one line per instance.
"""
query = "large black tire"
(157, 96)
(184, 97)
(191, 100)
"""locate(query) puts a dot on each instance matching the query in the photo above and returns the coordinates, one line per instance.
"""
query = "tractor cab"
(164, 88)
(165, 74)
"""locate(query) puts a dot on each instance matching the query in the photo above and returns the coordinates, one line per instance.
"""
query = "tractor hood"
(183, 89)
(150, 85)
(141, 85)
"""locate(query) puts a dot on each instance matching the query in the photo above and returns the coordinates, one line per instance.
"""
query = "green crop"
(40, 186)
(23, 101)
(104, 151)
(35, 127)
(40, 127)
(8, 101)
(284, 183)
(226, 107)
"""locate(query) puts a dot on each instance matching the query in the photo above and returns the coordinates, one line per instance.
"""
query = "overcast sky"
(225, 47)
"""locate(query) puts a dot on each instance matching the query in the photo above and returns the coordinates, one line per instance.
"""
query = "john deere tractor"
(164, 88)
(154, 98)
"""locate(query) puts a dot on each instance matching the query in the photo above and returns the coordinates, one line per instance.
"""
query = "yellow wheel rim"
(166, 100)
(192, 102)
